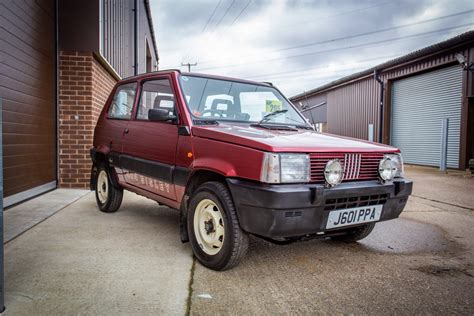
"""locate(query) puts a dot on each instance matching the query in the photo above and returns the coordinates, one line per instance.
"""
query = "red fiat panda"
(235, 157)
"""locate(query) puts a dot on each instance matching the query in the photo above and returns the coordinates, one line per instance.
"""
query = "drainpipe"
(135, 37)
(377, 78)
(2, 279)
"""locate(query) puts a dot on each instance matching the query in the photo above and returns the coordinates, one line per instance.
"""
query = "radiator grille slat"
(357, 166)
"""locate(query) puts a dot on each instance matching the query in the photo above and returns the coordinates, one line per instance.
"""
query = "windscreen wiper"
(304, 127)
(274, 126)
(205, 122)
(268, 116)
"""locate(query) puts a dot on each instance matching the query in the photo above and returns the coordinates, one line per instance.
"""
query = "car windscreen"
(224, 100)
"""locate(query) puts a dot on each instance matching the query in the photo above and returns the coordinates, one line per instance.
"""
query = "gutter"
(448, 45)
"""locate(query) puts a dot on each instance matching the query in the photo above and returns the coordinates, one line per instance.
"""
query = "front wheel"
(355, 234)
(217, 240)
(108, 197)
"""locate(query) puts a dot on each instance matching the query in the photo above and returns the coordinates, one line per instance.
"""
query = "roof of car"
(217, 77)
(195, 74)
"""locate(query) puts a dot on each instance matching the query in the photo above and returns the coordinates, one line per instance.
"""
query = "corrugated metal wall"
(351, 108)
(311, 101)
(118, 46)
(117, 32)
(144, 39)
(317, 114)
(419, 103)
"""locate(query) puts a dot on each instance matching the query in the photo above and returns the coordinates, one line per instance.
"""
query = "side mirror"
(160, 115)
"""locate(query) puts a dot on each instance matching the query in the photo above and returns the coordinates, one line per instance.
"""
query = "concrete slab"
(326, 277)
(455, 188)
(82, 261)
(22, 217)
(422, 263)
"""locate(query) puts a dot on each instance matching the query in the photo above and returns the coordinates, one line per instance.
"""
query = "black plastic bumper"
(281, 211)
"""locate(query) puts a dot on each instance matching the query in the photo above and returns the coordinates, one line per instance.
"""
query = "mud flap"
(183, 225)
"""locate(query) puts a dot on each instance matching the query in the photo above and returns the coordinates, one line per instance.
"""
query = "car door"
(149, 147)
(116, 120)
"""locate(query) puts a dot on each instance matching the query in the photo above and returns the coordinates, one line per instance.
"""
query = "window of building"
(156, 94)
(122, 104)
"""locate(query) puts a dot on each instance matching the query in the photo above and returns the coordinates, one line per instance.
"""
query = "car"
(236, 158)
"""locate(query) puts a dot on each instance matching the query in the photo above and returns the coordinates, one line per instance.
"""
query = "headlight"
(390, 167)
(333, 172)
(285, 168)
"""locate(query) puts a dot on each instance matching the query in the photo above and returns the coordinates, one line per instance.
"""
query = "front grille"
(356, 201)
(357, 166)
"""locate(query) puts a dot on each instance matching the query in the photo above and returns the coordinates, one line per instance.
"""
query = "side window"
(122, 104)
(156, 94)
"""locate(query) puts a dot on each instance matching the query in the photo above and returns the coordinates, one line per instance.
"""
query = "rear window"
(122, 103)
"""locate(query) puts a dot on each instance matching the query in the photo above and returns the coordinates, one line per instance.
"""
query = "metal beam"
(443, 163)
(2, 279)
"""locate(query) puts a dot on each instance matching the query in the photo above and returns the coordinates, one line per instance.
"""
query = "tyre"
(107, 196)
(355, 234)
(216, 238)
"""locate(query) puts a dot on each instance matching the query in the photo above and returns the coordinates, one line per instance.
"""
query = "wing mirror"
(161, 115)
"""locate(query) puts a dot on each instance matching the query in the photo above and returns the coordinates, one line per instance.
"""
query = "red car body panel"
(286, 141)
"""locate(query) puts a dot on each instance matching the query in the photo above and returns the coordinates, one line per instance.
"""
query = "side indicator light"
(190, 154)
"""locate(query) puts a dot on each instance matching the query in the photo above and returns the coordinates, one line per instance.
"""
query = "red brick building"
(60, 60)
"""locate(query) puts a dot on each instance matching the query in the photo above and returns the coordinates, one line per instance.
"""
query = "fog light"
(386, 169)
(333, 172)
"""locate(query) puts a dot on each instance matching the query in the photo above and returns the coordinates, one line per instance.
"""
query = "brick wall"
(84, 86)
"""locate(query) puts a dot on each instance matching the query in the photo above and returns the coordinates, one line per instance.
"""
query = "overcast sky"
(300, 44)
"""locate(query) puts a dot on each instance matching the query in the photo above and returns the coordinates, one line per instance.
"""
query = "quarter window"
(156, 94)
(122, 104)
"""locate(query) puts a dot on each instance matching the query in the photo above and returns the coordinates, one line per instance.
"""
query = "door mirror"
(160, 115)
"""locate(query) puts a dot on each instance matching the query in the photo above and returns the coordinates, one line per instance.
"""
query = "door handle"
(125, 131)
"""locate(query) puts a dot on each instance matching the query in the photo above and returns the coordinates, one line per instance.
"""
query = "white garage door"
(419, 104)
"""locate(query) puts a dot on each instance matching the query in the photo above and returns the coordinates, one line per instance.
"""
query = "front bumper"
(293, 210)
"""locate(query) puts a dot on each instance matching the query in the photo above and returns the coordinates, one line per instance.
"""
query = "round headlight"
(333, 172)
(386, 169)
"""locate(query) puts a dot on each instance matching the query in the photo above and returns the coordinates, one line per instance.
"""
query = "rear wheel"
(355, 234)
(108, 197)
(217, 240)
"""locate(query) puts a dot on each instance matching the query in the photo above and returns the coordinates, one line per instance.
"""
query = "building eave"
(447, 45)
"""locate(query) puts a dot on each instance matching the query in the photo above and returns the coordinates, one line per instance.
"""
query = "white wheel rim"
(209, 227)
(102, 187)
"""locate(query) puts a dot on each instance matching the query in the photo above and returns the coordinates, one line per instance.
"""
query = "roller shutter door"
(419, 104)
(27, 77)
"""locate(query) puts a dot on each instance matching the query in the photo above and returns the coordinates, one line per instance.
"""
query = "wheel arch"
(196, 178)
(99, 157)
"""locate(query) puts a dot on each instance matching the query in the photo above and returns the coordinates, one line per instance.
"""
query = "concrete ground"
(81, 261)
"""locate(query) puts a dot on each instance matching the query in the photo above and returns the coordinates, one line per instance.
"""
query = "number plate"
(356, 215)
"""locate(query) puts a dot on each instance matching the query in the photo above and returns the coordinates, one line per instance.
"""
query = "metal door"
(419, 104)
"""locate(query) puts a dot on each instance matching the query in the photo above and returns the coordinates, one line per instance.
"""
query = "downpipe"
(377, 78)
